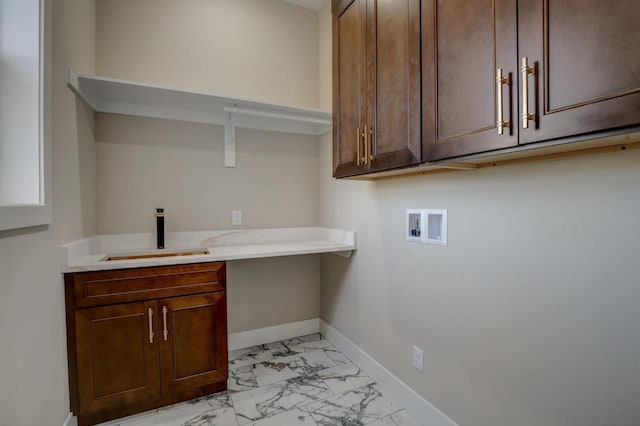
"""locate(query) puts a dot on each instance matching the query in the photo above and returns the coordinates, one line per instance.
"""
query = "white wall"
(266, 292)
(146, 163)
(33, 363)
(529, 317)
(264, 50)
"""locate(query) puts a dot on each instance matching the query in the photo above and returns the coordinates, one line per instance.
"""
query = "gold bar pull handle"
(501, 81)
(358, 157)
(526, 72)
(368, 145)
(164, 320)
(371, 145)
(150, 312)
(365, 133)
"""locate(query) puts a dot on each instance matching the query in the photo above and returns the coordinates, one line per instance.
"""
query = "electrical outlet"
(236, 217)
(418, 358)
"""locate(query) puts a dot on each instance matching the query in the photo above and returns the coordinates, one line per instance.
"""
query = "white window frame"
(22, 216)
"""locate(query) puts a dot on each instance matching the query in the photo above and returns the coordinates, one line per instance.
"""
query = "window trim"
(22, 216)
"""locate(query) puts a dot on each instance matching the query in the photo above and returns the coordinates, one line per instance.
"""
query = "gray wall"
(33, 361)
(529, 317)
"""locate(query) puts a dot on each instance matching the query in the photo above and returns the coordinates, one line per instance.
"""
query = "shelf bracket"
(346, 253)
(229, 141)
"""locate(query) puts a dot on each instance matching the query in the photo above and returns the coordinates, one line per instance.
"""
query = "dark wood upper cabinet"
(570, 67)
(349, 88)
(376, 71)
(463, 45)
(586, 54)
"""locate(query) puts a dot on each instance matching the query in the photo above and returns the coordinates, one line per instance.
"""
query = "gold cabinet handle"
(365, 159)
(150, 312)
(164, 320)
(501, 81)
(358, 158)
(368, 145)
(526, 72)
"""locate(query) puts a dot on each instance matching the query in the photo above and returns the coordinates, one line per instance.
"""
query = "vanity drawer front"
(128, 285)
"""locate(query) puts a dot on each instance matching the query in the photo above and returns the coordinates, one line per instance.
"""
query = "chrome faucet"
(160, 228)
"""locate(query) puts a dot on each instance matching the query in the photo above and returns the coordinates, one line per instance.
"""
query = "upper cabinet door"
(393, 84)
(376, 85)
(349, 79)
(585, 61)
(464, 44)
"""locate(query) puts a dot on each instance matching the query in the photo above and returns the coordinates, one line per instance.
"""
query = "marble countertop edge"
(88, 254)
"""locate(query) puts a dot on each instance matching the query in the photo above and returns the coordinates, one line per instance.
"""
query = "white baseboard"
(70, 420)
(260, 336)
(421, 409)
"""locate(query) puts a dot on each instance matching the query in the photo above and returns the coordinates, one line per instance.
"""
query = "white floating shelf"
(116, 96)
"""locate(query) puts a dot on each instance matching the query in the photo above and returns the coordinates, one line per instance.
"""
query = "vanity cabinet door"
(585, 54)
(117, 355)
(193, 341)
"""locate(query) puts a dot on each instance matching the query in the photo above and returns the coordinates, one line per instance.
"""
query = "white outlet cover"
(236, 217)
(418, 358)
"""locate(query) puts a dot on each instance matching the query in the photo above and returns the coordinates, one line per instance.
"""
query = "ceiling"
(309, 4)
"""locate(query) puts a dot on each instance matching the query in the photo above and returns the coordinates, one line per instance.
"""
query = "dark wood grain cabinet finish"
(376, 71)
(195, 330)
(570, 68)
(586, 54)
(463, 44)
(349, 88)
(144, 338)
(118, 363)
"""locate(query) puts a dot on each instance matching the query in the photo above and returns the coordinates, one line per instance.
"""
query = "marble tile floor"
(304, 381)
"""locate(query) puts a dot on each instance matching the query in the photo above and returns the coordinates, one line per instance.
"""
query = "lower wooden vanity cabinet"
(143, 338)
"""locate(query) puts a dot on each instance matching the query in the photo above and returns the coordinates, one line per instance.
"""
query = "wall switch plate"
(418, 358)
(236, 217)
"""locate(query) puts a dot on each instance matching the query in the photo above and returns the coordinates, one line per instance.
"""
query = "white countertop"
(88, 254)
